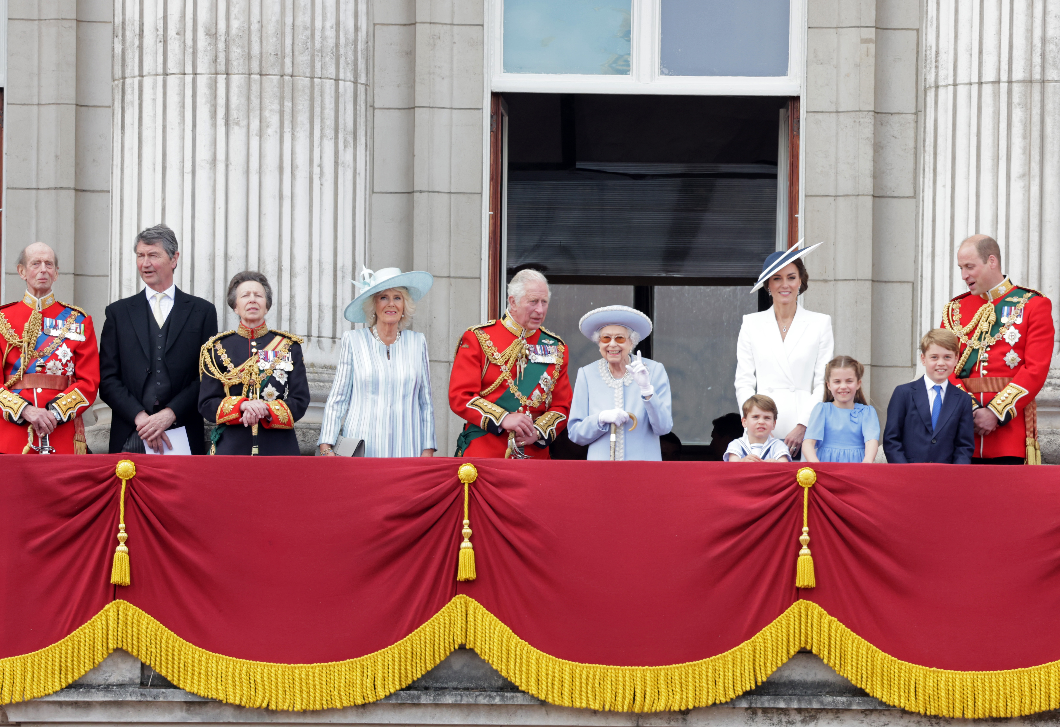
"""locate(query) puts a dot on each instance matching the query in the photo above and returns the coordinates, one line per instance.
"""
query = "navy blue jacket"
(908, 436)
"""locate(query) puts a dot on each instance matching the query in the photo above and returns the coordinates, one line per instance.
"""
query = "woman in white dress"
(782, 352)
(382, 388)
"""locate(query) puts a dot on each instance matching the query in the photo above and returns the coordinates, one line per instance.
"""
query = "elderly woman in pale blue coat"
(633, 394)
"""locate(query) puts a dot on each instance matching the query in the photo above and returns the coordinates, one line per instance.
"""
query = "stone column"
(990, 153)
(242, 125)
(990, 142)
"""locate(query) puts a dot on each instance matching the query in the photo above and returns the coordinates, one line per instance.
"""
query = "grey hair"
(517, 286)
(159, 234)
(22, 255)
(249, 276)
(368, 306)
(633, 335)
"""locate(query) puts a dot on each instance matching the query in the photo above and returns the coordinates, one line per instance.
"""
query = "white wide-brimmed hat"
(615, 315)
(780, 259)
(374, 281)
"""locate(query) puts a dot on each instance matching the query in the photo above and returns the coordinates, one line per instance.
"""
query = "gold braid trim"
(717, 679)
(511, 358)
(983, 320)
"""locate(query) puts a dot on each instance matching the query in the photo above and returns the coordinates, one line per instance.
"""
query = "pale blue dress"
(596, 390)
(384, 401)
(841, 433)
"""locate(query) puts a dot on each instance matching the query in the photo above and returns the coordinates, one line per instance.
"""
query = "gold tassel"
(465, 570)
(804, 577)
(1034, 452)
(120, 571)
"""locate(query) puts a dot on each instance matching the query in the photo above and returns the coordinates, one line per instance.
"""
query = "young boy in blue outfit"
(930, 419)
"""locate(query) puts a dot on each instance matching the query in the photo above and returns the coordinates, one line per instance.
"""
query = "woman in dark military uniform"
(254, 383)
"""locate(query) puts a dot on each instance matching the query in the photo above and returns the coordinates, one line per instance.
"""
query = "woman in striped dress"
(382, 388)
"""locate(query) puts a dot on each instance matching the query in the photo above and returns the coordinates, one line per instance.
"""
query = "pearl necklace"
(618, 386)
(375, 335)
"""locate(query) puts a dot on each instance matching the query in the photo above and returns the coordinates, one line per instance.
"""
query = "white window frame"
(645, 76)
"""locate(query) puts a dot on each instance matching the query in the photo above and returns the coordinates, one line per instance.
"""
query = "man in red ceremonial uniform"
(1006, 334)
(509, 379)
(50, 366)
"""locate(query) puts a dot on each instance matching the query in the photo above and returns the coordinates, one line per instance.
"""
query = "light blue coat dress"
(596, 390)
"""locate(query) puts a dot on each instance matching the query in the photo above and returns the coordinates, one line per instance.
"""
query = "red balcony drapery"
(309, 583)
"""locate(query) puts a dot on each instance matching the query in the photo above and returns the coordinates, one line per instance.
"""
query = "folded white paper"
(178, 438)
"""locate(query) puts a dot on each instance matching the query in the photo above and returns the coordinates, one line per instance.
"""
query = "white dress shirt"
(931, 391)
(165, 304)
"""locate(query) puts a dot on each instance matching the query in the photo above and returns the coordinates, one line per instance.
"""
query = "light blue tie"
(936, 406)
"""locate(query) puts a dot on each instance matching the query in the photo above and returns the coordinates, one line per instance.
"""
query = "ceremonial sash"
(44, 340)
(1003, 308)
(532, 374)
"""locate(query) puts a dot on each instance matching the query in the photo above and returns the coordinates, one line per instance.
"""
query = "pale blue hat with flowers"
(615, 315)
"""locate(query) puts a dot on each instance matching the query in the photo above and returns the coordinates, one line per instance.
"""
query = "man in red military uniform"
(509, 379)
(1006, 335)
(50, 365)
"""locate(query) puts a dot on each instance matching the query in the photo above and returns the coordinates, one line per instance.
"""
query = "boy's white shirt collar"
(929, 384)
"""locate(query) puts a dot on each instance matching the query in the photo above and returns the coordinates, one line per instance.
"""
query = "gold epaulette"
(472, 329)
(215, 339)
(1030, 290)
(74, 307)
(291, 336)
(553, 335)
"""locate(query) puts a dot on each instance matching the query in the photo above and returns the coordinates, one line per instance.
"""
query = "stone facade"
(310, 138)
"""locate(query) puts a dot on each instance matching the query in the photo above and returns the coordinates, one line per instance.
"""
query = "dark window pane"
(694, 220)
(725, 37)
(567, 306)
(695, 339)
(567, 36)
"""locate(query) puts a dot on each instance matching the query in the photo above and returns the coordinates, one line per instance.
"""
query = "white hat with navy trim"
(780, 259)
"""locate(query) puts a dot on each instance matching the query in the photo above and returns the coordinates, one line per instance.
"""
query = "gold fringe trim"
(297, 687)
(634, 688)
(937, 692)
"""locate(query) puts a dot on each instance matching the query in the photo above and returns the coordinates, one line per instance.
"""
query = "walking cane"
(614, 433)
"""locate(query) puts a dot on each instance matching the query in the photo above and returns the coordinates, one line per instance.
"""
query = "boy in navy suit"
(930, 419)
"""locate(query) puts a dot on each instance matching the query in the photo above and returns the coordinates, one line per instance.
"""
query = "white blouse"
(385, 402)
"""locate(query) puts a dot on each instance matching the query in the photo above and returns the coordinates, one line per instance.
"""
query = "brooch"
(269, 394)
(1012, 359)
(55, 368)
(1011, 336)
(64, 353)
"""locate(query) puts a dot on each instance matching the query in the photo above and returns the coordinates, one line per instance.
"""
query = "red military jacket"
(501, 367)
(1005, 352)
(50, 361)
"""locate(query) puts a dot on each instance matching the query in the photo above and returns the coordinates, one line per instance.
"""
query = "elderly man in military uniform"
(509, 379)
(50, 365)
(1006, 335)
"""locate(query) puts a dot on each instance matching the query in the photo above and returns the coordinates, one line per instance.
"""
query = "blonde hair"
(940, 337)
(760, 401)
(845, 362)
(406, 320)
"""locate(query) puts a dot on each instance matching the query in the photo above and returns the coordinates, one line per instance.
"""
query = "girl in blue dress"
(843, 427)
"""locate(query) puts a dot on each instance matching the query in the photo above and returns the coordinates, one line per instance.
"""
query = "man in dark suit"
(930, 420)
(149, 353)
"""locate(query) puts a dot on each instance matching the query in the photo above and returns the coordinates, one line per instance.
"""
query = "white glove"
(613, 416)
(641, 376)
